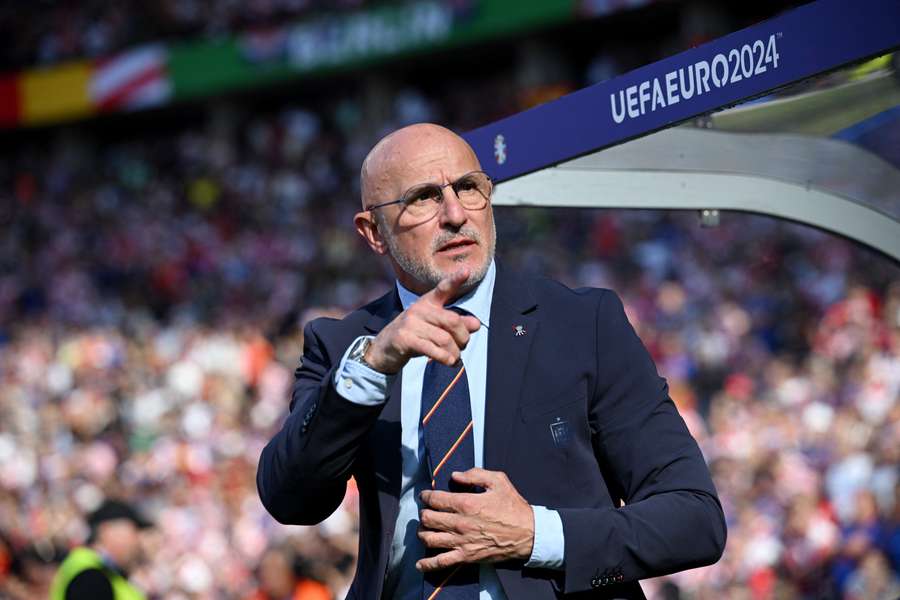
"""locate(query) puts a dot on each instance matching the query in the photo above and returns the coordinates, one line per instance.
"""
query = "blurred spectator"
(874, 580)
(99, 571)
(284, 576)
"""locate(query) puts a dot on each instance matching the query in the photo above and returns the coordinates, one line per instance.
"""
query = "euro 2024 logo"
(500, 149)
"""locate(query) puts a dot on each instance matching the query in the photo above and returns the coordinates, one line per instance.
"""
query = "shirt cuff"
(549, 547)
(360, 384)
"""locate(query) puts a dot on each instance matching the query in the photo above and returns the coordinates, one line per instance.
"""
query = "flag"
(130, 80)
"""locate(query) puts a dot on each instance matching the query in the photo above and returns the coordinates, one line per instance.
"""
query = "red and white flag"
(130, 80)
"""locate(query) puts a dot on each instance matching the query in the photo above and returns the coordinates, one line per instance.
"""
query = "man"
(510, 437)
(99, 571)
(281, 577)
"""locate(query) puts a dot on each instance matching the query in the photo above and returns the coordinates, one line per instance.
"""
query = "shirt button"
(347, 383)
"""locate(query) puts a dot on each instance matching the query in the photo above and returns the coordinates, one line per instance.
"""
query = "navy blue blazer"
(575, 415)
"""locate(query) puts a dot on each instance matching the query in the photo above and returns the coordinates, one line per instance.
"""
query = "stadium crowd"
(152, 297)
(43, 32)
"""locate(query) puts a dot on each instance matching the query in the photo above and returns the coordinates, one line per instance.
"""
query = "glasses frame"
(451, 185)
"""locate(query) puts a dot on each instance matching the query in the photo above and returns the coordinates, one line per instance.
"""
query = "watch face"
(359, 349)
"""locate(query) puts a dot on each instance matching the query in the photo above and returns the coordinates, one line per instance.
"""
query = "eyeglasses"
(473, 190)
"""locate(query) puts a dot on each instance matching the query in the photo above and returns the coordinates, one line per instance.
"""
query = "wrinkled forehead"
(409, 158)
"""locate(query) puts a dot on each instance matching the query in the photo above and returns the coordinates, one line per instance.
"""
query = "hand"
(493, 526)
(425, 329)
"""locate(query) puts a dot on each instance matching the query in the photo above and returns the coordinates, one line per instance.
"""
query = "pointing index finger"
(449, 287)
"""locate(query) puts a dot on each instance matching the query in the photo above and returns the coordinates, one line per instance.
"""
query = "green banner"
(350, 41)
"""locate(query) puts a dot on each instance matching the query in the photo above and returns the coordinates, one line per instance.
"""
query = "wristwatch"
(358, 350)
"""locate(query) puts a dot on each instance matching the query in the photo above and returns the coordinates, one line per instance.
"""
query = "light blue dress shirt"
(362, 385)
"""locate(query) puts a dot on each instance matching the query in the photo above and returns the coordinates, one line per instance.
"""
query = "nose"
(452, 213)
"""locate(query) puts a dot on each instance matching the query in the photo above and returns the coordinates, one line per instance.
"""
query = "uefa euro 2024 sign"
(693, 80)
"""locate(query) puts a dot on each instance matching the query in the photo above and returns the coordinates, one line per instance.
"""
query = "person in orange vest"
(99, 570)
(280, 578)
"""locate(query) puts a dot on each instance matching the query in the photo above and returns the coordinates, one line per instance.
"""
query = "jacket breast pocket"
(544, 408)
(553, 445)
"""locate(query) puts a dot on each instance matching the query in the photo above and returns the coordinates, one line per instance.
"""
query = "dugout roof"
(819, 143)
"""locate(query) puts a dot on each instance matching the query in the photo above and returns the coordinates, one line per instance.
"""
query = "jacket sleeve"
(671, 519)
(303, 470)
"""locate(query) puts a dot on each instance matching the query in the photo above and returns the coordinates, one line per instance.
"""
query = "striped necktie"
(449, 446)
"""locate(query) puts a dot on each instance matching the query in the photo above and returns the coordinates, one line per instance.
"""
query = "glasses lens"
(422, 200)
(473, 190)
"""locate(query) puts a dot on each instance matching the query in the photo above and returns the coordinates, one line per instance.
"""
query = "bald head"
(425, 250)
(405, 150)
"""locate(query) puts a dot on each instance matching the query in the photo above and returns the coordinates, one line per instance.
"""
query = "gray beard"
(428, 274)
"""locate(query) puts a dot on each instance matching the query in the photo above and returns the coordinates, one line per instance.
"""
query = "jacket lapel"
(514, 326)
(383, 311)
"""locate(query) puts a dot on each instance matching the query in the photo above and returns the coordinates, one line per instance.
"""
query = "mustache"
(446, 237)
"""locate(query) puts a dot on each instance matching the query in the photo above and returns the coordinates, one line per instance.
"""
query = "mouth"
(456, 245)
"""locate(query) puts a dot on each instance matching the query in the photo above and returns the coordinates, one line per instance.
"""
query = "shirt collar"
(477, 302)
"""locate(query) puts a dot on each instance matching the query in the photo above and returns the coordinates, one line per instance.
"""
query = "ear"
(367, 227)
